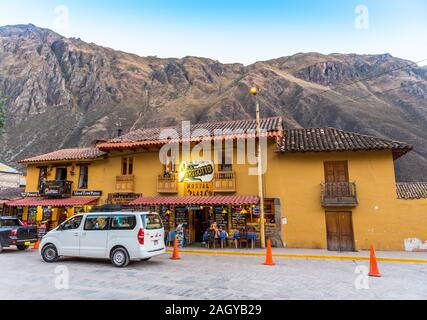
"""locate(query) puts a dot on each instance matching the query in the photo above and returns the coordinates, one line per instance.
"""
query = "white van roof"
(119, 213)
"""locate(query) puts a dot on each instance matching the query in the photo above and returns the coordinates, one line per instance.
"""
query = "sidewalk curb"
(299, 256)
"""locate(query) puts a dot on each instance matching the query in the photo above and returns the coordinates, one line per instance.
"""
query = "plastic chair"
(223, 238)
(172, 237)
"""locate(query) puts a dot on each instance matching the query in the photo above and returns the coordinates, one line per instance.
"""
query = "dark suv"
(14, 233)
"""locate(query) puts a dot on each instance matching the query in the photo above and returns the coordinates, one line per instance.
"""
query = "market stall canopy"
(212, 200)
(28, 202)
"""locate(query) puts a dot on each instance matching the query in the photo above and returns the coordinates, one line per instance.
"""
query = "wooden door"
(339, 228)
(336, 178)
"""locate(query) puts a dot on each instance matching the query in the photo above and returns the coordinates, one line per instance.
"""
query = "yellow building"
(324, 188)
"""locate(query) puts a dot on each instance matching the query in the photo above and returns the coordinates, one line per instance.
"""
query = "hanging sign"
(87, 193)
(196, 171)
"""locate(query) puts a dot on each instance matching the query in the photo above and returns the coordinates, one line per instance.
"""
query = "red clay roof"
(34, 202)
(67, 154)
(212, 200)
(331, 139)
(411, 190)
(239, 129)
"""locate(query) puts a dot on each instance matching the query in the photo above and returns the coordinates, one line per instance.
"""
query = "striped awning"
(212, 200)
(66, 202)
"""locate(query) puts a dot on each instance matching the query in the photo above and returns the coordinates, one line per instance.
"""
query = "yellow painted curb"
(299, 256)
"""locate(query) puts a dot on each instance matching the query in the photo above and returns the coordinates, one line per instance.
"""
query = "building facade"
(324, 188)
(9, 177)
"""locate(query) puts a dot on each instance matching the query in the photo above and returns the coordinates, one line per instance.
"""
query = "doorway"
(200, 223)
(339, 228)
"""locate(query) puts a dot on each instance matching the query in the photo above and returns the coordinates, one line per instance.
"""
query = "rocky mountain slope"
(64, 92)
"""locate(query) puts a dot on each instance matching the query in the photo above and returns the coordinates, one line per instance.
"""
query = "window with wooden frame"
(127, 166)
(83, 176)
(226, 160)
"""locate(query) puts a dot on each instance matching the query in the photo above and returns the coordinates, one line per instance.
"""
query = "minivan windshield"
(152, 221)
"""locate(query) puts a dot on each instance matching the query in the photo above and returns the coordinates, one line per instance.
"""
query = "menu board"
(238, 220)
(165, 217)
(181, 216)
(220, 218)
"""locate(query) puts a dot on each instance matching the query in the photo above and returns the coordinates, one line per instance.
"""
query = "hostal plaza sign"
(197, 177)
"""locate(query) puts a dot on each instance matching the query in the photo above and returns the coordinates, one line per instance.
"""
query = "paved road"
(24, 276)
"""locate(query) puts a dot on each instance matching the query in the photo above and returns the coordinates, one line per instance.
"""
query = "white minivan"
(118, 236)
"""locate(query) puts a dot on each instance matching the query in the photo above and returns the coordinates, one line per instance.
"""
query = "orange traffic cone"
(373, 265)
(36, 245)
(175, 254)
(269, 255)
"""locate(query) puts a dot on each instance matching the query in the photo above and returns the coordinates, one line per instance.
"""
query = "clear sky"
(234, 30)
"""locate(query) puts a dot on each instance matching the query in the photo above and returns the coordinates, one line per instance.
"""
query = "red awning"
(213, 200)
(29, 202)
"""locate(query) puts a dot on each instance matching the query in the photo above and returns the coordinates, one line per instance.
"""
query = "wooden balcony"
(225, 181)
(339, 194)
(125, 183)
(167, 183)
(56, 189)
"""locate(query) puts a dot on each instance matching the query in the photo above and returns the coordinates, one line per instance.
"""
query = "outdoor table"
(250, 236)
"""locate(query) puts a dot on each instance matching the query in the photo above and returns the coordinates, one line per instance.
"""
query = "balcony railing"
(167, 183)
(125, 183)
(225, 181)
(339, 194)
(56, 189)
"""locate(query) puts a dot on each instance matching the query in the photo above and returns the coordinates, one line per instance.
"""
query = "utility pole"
(254, 92)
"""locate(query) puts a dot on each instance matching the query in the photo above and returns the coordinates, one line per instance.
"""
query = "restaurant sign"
(31, 194)
(87, 193)
(198, 189)
(196, 171)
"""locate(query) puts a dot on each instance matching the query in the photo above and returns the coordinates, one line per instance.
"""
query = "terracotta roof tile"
(331, 139)
(33, 202)
(230, 130)
(212, 200)
(67, 154)
(411, 190)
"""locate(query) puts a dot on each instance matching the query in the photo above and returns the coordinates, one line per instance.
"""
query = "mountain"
(64, 92)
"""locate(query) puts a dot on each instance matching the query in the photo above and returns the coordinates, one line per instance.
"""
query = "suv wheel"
(49, 253)
(120, 257)
(22, 247)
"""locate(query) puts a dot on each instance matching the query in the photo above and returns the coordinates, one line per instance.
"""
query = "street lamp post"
(254, 92)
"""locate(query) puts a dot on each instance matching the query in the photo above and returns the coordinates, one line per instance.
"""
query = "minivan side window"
(72, 223)
(152, 221)
(96, 223)
(123, 223)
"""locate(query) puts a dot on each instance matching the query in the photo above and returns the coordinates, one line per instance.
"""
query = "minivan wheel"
(120, 257)
(50, 254)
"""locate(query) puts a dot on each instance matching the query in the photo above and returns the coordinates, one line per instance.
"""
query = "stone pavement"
(23, 275)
